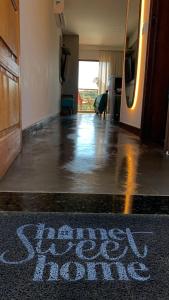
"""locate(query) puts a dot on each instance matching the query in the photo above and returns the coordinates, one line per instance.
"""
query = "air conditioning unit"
(59, 12)
(58, 6)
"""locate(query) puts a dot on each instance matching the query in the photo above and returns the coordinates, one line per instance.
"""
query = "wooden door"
(167, 133)
(10, 124)
(157, 75)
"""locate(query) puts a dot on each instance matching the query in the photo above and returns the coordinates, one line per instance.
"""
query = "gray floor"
(84, 154)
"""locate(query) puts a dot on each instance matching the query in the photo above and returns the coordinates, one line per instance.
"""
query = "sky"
(88, 71)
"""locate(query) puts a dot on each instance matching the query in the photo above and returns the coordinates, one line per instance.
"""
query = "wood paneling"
(9, 101)
(15, 4)
(9, 25)
(10, 125)
(8, 151)
(7, 59)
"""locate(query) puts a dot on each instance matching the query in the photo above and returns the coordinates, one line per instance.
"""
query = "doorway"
(87, 85)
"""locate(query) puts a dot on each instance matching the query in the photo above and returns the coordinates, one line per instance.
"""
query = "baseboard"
(32, 130)
(130, 128)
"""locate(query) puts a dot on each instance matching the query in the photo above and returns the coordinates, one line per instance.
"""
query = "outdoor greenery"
(86, 99)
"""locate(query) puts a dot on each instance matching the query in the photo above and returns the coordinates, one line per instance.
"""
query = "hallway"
(84, 154)
(74, 181)
(84, 205)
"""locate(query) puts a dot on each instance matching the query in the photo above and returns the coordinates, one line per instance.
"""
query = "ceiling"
(97, 22)
(133, 16)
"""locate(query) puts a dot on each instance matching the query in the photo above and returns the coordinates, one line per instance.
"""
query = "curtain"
(111, 64)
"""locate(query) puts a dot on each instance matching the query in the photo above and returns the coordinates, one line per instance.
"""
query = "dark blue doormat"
(83, 256)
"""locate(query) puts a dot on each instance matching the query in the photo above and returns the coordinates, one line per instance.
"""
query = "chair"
(100, 104)
(67, 104)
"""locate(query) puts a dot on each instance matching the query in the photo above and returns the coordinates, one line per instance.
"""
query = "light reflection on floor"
(85, 154)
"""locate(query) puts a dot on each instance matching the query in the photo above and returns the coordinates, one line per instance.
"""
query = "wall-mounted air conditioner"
(59, 12)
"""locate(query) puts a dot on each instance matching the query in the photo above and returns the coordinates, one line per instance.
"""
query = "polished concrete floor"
(86, 154)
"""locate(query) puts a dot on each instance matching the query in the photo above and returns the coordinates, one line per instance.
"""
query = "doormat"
(83, 256)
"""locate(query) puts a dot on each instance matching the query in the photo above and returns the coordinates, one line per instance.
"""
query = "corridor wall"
(40, 46)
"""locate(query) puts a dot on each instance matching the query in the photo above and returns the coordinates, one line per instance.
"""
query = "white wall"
(88, 54)
(91, 52)
(40, 86)
(130, 116)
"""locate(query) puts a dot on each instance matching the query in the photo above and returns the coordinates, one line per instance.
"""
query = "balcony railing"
(86, 100)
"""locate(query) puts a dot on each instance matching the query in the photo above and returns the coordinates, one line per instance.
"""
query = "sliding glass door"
(88, 85)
